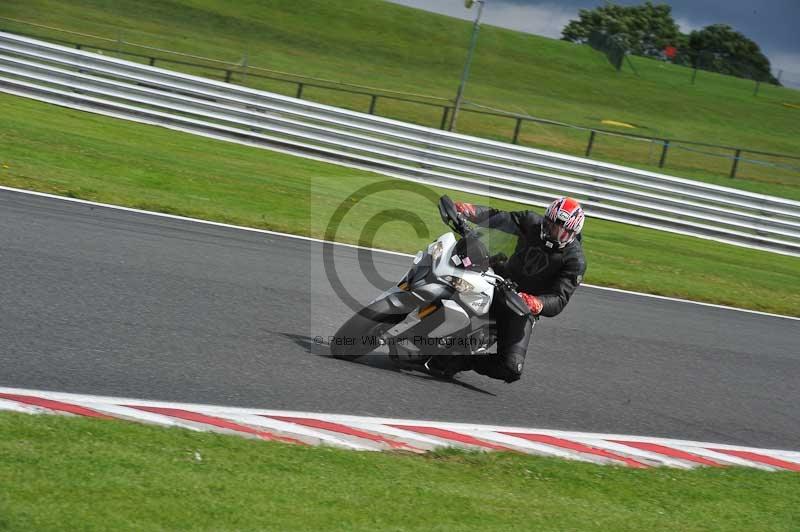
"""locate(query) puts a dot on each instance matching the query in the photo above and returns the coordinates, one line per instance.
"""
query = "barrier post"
(443, 125)
(735, 162)
(517, 127)
(664, 150)
(591, 143)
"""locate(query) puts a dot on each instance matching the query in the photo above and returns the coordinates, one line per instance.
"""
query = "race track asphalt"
(102, 301)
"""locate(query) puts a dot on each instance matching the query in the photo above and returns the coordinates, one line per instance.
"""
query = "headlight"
(436, 250)
(459, 284)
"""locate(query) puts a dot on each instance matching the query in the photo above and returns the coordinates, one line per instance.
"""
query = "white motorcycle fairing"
(470, 298)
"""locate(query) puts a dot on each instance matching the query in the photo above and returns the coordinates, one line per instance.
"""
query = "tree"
(719, 48)
(648, 29)
(642, 30)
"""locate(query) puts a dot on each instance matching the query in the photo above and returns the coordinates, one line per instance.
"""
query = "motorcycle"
(441, 307)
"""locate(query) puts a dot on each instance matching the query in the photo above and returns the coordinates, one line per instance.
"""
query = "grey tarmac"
(102, 301)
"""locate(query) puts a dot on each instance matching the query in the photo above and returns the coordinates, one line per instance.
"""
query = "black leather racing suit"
(550, 274)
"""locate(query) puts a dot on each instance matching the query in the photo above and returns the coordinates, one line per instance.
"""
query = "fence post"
(152, 61)
(735, 162)
(443, 125)
(517, 127)
(663, 154)
(227, 76)
(694, 74)
(591, 143)
(372, 104)
(299, 91)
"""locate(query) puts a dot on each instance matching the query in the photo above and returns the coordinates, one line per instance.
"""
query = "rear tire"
(353, 341)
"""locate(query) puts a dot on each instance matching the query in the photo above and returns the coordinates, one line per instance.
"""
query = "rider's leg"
(513, 336)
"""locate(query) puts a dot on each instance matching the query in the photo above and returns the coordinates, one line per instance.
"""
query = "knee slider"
(514, 364)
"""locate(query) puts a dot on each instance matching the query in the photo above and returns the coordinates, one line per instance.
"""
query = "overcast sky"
(773, 24)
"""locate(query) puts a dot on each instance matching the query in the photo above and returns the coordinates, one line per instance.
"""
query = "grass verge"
(381, 44)
(77, 154)
(61, 473)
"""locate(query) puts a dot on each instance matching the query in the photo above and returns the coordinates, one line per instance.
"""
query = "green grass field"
(60, 473)
(77, 154)
(379, 44)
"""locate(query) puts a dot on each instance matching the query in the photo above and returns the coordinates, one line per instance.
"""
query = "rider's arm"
(508, 222)
(555, 299)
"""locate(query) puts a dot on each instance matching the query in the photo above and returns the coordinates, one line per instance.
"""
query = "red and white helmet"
(563, 221)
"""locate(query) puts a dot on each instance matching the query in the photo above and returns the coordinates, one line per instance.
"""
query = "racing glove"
(467, 209)
(533, 302)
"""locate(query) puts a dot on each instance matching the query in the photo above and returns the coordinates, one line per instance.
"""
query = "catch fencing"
(111, 86)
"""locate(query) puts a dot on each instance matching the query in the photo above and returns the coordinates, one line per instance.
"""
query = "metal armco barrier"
(144, 93)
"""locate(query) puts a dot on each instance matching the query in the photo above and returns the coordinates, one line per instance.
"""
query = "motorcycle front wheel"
(360, 334)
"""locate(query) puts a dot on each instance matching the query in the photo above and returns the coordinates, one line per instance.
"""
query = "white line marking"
(298, 151)
(354, 246)
(195, 220)
(677, 300)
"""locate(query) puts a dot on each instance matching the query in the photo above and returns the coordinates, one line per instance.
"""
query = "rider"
(547, 265)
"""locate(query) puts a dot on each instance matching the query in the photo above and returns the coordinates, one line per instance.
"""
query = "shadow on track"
(377, 361)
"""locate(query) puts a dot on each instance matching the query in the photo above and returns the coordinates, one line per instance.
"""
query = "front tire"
(359, 335)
